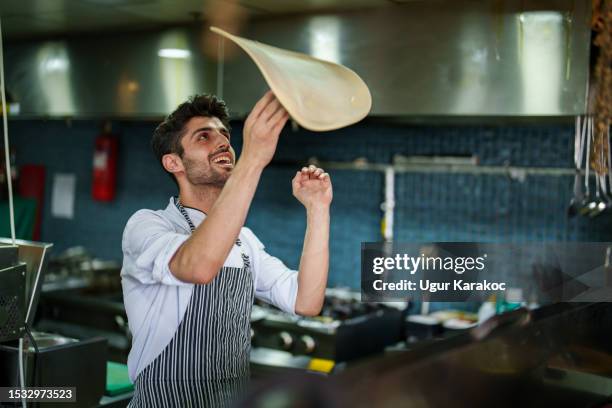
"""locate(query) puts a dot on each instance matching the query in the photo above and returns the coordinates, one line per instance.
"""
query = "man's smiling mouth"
(223, 159)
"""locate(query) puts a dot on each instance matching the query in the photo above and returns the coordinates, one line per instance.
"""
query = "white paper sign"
(62, 196)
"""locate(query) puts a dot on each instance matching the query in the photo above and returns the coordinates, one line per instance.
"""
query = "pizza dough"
(319, 95)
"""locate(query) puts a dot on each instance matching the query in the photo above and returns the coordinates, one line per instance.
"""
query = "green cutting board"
(117, 379)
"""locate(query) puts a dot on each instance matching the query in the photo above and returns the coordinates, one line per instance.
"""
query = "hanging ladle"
(598, 205)
(578, 197)
(586, 203)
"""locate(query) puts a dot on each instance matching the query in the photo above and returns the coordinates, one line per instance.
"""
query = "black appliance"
(12, 294)
(346, 330)
(59, 362)
(22, 265)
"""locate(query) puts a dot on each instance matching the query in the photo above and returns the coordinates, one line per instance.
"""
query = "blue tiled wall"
(430, 207)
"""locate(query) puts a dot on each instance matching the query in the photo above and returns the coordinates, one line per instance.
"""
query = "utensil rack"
(433, 166)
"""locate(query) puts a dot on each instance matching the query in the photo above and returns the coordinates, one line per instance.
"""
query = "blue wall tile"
(429, 207)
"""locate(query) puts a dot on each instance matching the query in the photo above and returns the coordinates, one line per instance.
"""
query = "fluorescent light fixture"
(56, 64)
(176, 67)
(543, 50)
(176, 53)
(325, 38)
(54, 78)
(541, 17)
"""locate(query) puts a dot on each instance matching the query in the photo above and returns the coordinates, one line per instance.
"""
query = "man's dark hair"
(167, 136)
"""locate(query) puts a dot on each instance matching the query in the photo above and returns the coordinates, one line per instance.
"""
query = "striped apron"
(206, 364)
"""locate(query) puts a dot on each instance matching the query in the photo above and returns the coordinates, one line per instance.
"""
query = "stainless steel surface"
(514, 172)
(8, 255)
(127, 75)
(442, 57)
(521, 363)
(277, 358)
(422, 58)
(35, 255)
(87, 312)
(258, 313)
(45, 340)
(64, 284)
(36, 17)
(118, 401)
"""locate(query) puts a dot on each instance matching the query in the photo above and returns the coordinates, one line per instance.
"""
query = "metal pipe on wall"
(388, 205)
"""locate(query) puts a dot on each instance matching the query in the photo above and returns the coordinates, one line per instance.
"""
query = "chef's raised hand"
(312, 187)
(261, 130)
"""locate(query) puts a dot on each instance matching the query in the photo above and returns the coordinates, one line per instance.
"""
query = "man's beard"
(200, 175)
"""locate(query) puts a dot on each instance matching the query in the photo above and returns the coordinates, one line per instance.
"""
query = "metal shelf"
(422, 167)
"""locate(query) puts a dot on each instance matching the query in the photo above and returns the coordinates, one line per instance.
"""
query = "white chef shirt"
(155, 300)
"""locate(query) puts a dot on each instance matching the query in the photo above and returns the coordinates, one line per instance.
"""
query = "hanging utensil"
(605, 195)
(609, 164)
(597, 205)
(603, 175)
(576, 200)
(584, 208)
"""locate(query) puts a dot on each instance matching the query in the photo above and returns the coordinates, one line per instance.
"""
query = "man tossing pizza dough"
(192, 270)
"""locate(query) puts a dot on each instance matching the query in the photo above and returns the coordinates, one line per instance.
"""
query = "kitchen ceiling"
(39, 18)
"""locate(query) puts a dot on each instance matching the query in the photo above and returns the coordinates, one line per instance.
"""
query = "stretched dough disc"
(319, 95)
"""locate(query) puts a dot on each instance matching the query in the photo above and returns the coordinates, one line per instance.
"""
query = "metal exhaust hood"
(446, 58)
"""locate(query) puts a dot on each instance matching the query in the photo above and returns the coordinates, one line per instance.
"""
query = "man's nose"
(221, 141)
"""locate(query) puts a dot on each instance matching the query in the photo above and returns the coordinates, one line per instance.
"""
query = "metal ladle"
(578, 197)
(609, 196)
(584, 207)
(607, 199)
(603, 182)
(603, 178)
(598, 205)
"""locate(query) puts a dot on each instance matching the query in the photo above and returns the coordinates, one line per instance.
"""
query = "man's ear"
(172, 163)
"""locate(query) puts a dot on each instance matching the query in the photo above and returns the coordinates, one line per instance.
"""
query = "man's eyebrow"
(208, 129)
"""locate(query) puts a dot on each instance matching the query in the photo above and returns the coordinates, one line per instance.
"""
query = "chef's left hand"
(312, 187)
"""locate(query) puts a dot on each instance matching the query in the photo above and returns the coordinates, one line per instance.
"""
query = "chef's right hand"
(261, 130)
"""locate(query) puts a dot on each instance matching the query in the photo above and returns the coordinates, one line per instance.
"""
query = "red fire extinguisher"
(105, 165)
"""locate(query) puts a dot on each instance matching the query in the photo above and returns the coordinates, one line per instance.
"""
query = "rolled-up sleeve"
(149, 243)
(276, 283)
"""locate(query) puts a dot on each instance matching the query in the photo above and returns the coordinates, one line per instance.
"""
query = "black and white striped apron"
(206, 364)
